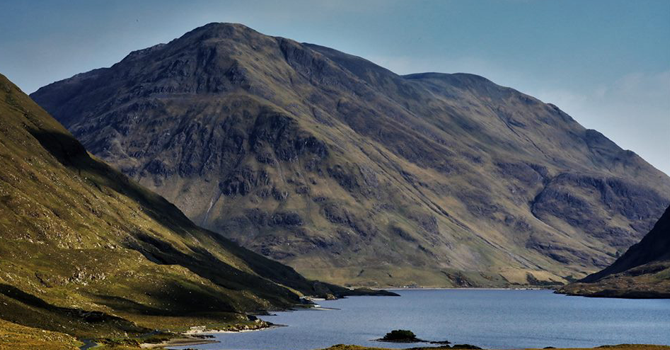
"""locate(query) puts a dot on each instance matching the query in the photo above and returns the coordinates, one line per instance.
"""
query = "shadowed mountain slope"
(642, 272)
(349, 172)
(86, 251)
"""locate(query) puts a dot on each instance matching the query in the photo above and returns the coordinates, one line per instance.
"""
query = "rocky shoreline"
(199, 335)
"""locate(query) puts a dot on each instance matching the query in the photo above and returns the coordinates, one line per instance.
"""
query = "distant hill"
(643, 272)
(354, 174)
(86, 251)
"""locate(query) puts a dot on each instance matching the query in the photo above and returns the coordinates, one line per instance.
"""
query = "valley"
(88, 252)
(358, 176)
(334, 175)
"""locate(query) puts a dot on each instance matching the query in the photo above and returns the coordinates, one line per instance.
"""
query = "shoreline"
(196, 335)
(467, 288)
(199, 335)
(227, 331)
(178, 342)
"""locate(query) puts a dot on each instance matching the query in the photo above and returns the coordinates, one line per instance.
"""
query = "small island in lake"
(401, 336)
(407, 336)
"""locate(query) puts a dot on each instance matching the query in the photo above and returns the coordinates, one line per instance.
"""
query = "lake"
(497, 319)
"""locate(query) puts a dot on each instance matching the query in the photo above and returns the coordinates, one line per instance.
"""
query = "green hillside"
(87, 252)
(351, 173)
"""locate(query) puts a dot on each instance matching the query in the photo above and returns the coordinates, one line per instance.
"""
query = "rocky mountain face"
(642, 272)
(86, 251)
(353, 174)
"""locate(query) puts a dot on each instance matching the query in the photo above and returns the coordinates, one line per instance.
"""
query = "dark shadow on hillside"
(72, 154)
(127, 305)
(64, 147)
(171, 299)
(69, 152)
(206, 265)
(29, 310)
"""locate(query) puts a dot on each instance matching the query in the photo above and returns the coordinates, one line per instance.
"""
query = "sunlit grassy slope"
(87, 252)
(17, 337)
(351, 173)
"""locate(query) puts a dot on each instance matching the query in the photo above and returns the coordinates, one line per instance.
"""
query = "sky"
(604, 62)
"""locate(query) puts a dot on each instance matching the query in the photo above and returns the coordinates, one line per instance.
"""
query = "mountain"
(353, 174)
(642, 272)
(87, 252)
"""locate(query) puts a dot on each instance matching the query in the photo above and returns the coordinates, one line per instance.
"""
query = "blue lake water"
(497, 319)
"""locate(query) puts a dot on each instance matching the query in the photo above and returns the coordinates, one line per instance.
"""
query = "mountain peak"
(221, 30)
(320, 159)
(214, 30)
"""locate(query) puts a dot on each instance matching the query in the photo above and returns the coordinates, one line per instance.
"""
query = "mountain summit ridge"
(352, 173)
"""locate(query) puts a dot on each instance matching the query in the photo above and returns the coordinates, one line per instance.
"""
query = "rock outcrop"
(349, 172)
(88, 252)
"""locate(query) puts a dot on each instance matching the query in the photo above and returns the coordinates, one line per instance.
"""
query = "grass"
(454, 161)
(87, 252)
(17, 337)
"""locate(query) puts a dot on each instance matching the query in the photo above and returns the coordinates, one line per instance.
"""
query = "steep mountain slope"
(85, 251)
(642, 272)
(16, 337)
(349, 172)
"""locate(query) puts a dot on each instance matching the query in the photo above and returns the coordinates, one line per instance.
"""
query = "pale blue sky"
(606, 63)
